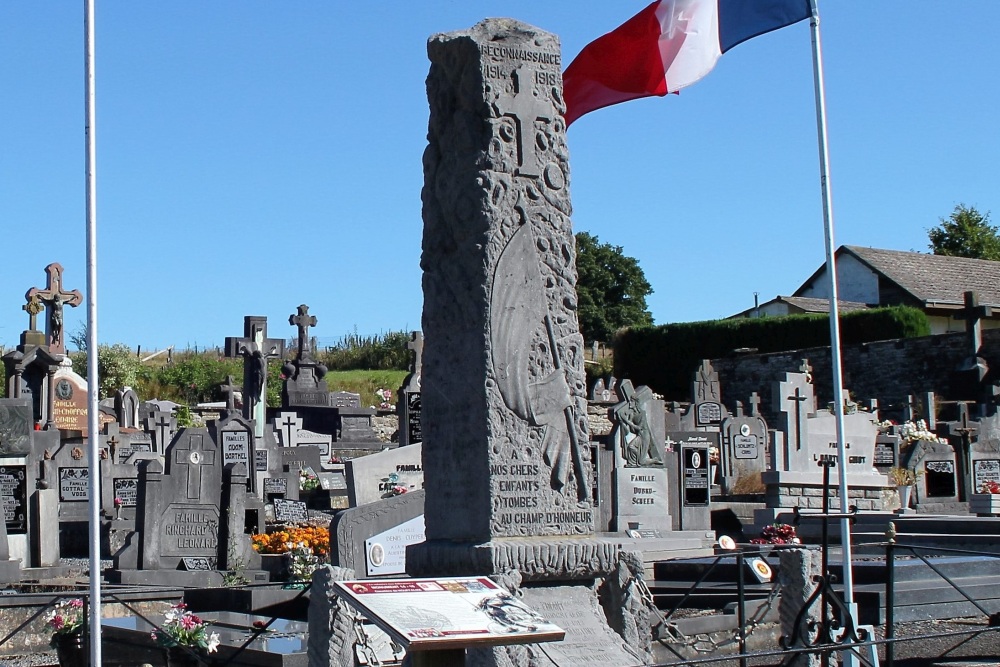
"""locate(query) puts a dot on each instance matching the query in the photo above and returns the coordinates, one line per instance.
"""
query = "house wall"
(855, 282)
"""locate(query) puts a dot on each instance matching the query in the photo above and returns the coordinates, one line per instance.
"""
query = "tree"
(611, 289)
(966, 233)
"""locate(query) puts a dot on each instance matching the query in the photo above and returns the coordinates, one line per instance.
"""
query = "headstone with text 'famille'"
(808, 442)
(506, 455)
(742, 456)
(192, 508)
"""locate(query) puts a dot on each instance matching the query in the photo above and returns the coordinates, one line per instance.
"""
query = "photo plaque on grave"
(695, 481)
(14, 494)
(260, 460)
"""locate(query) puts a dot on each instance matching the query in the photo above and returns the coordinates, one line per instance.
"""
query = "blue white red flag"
(668, 45)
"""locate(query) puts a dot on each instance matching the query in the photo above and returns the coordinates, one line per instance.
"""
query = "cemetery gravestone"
(742, 457)
(408, 401)
(383, 475)
(372, 539)
(640, 478)
(196, 508)
(69, 409)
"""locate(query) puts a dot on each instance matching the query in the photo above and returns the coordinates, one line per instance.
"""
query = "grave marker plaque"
(236, 447)
(695, 480)
(126, 490)
(74, 485)
(14, 494)
(985, 470)
(260, 459)
(275, 486)
(290, 511)
(189, 529)
(939, 479)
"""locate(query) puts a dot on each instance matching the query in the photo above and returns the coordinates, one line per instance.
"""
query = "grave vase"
(905, 492)
(70, 650)
(984, 504)
(178, 656)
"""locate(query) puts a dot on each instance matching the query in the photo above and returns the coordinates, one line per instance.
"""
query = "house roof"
(934, 280)
(806, 304)
(814, 305)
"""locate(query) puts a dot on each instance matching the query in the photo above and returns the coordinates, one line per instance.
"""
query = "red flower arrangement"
(777, 533)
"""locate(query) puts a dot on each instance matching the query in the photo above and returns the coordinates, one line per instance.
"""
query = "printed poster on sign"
(433, 614)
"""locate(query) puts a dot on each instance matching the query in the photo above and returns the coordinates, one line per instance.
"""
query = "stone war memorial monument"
(506, 457)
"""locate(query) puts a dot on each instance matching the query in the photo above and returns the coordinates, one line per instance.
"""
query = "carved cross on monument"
(797, 399)
(303, 320)
(255, 348)
(54, 297)
(192, 456)
(525, 109)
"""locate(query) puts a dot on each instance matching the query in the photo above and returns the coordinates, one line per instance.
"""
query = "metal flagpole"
(93, 382)
(831, 270)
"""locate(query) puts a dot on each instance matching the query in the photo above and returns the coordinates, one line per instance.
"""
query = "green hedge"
(665, 357)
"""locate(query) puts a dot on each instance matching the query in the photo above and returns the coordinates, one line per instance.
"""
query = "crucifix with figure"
(53, 297)
(255, 348)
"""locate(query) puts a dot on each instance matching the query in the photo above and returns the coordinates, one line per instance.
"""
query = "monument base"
(536, 558)
(866, 492)
(181, 578)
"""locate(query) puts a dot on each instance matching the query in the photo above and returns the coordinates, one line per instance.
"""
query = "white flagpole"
(831, 271)
(93, 381)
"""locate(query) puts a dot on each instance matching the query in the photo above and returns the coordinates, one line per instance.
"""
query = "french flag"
(668, 45)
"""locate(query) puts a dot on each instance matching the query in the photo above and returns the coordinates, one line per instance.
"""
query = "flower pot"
(984, 504)
(905, 492)
(70, 650)
(177, 656)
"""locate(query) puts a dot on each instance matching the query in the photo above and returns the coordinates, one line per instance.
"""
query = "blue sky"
(252, 156)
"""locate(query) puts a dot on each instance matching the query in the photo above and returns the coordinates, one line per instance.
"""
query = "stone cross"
(706, 383)
(525, 109)
(972, 313)
(754, 404)
(33, 307)
(303, 320)
(192, 456)
(255, 348)
(54, 297)
(289, 424)
(163, 424)
(229, 391)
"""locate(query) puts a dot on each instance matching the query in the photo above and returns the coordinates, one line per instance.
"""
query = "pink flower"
(57, 622)
(190, 621)
(76, 602)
